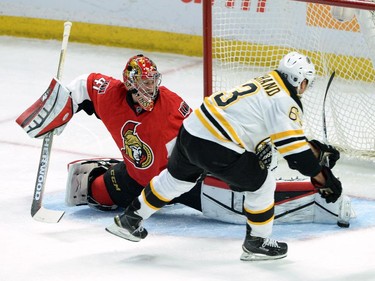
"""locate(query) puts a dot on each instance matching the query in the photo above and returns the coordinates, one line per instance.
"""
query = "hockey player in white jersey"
(221, 138)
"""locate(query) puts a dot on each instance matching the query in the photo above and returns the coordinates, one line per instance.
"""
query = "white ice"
(182, 245)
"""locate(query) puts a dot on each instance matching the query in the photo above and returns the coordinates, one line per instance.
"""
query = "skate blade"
(246, 256)
(122, 233)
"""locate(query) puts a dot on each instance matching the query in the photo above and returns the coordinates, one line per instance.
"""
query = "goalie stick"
(38, 212)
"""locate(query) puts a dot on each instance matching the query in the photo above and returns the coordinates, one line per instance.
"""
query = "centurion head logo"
(135, 150)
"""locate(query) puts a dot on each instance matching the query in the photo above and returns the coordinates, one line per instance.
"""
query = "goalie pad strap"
(52, 111)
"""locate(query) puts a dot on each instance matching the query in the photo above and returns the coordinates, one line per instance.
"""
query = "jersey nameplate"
(269, 84)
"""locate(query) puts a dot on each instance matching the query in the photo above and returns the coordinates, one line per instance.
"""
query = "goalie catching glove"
(51, 112)
(327, 153)
(332, 188)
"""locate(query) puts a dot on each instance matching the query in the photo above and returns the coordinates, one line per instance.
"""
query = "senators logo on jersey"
(135, 150)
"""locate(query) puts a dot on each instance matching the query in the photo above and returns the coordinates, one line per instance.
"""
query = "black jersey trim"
(214, 122)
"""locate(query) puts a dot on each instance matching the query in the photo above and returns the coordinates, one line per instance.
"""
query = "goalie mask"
(142, 79)
(296, 67)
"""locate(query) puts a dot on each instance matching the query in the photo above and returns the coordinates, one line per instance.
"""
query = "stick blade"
(48, 216)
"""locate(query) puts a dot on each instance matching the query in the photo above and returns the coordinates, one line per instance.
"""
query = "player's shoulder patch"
(174, 100)
(184, 109)
(101, 83)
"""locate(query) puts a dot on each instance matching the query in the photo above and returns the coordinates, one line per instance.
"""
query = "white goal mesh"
(250, 37)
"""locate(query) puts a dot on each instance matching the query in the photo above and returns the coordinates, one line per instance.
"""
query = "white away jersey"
(240, 119)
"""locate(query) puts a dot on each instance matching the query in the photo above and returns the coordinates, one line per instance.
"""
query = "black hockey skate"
(257, 248)
(129, 225)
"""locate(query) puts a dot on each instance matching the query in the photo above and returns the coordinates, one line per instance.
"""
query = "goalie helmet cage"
(244, 38)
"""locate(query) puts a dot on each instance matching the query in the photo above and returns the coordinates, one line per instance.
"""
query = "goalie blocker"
(296, 200)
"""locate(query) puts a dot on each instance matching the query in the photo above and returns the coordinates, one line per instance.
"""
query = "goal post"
(246, 38)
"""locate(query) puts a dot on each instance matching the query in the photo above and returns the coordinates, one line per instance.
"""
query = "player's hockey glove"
(264, 153)
(332, 189)
(326, 152)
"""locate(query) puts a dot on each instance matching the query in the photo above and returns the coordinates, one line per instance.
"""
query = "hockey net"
(243, 39)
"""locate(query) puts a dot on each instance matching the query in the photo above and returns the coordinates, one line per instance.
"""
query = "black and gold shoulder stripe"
(215, 122)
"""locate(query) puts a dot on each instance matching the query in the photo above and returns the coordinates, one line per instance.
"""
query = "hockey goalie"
(135, 112)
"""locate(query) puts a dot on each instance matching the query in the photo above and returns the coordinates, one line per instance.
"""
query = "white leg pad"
(78, 179)
(339, 212)
(77, 182)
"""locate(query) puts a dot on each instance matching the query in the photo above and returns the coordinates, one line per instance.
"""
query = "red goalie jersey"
(144, 138)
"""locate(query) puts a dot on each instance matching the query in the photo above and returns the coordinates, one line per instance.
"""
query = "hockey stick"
(325, 139)
(38, 212)
(325, 134)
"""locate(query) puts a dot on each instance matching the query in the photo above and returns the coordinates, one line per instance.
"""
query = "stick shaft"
(64, 45)
(325, 134)
(54, 216)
